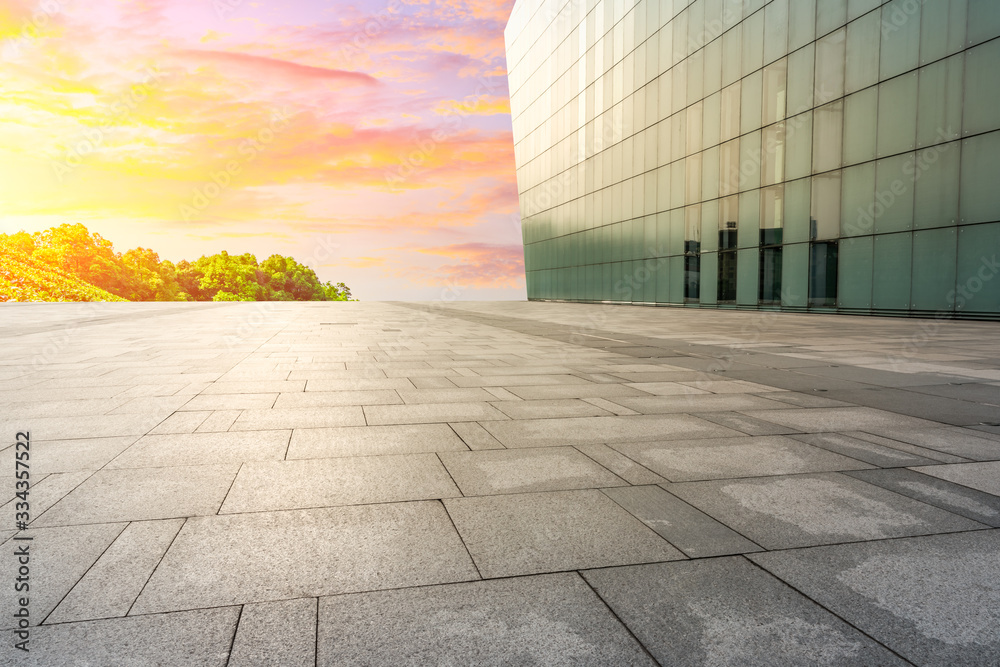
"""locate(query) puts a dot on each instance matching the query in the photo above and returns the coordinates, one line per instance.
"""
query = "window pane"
(855, 273)
(894, 193)
(900, 48)
(746, 282)
(942, 32)
(825, 222)
(772, 215)
(798, 153)
(980, 197)
(795, 274)
(710, 226)
(797, 214)
(773, 154)
(982, 89)
(940, 101)
(936, 198)
(749, 217)
(830, 15)
(801, 23)
(800, 86)
(891, 277)
(750, 108)
(730, 111)
(976, 247)
(934, 254)
(729, 167)
(710, 174)
(823, 264)
(732, 54)
(830, 66)
(984, 20)
(858, 211)
(863, 38)
(726, 290)
(860, 116)
(775, 30)
(828, 127)
(897, 115)
(753, 43)
(775, 80)
(770, 275)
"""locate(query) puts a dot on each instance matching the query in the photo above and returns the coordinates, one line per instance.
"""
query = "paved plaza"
(500, 484)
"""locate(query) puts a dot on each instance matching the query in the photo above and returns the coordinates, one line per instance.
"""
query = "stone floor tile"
(324, 399)
(509, 381)
(983, 477)
(693, 532)
(723, 458)
(523, 470)
(548, 532)
(575, 391)
(359, 384)
(143, 493)
(109, 588)
(219, 421)
(613, 408)
(474, 436)
(597, 430)
(745, 424)
(276, 485)
(54, 456)
(666, 388)
(728, 612)
(181, 422)
(212, 402)
(44, 492)
(621, 465)
(276, 633)
(808, 510)
(817, 420)
(289, 418)
(694, 403)
(259, 557)
(899, 445)
(962, 500)
(548, 409)
(543, 620)
(951, 440)
(862, 450)
(272, 387)
(454, 395)
(160, 451)
(315, 443)
(934, 600)
(429, 413)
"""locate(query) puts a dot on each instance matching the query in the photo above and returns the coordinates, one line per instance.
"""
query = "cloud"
(261, 66)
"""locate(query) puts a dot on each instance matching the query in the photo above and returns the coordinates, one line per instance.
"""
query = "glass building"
(825, 155)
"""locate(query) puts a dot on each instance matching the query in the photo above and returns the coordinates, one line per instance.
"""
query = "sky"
(369, 139)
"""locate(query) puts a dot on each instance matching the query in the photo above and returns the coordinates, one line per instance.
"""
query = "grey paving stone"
(501, 394)
(44, 492)
(159, 451)
(957, 441)
(81, 427)
(475, 436)
(272, 387)
(937, 408)
(517, 471)
(314, 443)
(143, 493)
(58, 557)
(964, 501)
(693, 532)
(324, 399)
(694, 403)
(548, 409)
(808, 510)
(744, 424)
(276, 633)
(43, 408)
(811, 400)
(554, 392)
(596, 430)
(862, 450)
(817, 420)
(509, 381)
(199, 638)
(276, 485)
(453, 395)
(432, 383)
(219, 421)
(666, 388)
(181, 422)
(359, 384)
(109, 588)
(728, 612)
(747, 456)
(243, 558)
(541, 620)
(148, 404)
(289, 418)
(547, 532)
(731, 386)
(624, 467)
(890, 443)
(55, 456)
(613, 408)
(934, 600)
(984, 477)
(211, 402)
(429, 413)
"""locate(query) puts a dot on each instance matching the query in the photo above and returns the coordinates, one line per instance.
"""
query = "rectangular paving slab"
(806, 510)
(265, 556)
(817, 420)
(983, 477)
(542, 620)
(553, 531)
(274, 485)
(962, 500)
(54, 456)
(721, 458)
(693, 403)
(276, 633)
(159, 451)
(728, 612)
(426, 413)
(862, 450)
(934, 600)
(522, 470)
(591, 430)
(312, 443)
(289, 418)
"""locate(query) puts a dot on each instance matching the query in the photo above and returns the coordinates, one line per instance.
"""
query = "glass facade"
(833, 155)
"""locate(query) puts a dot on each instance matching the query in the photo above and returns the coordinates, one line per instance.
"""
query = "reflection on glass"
(824, 220)
(692, 253)
(770, 275)
(773, 154)
(775, 76)
(823, 273)
(772, 210)
(828, 133)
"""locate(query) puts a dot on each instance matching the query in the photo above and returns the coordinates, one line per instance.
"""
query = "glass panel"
(982, 89)
(750, 161)
(801, 23)
(775, 30)
(750, 107)
(830, 15)
(708, 275)
(663, 237)
(823, 266)
(730, 111)
(795, 274)
(692, 193)
(710, 226)
(934, 255)
(860, 115)
(798, 153)
(749, 217)
(825, 207)
(773, 154)
(677, 223)
(940, 101)
(677, 279)
(713, 66)
(775, 80)
(942, 32)
(662, 289)
(710, 174)
(797, 213)
(695, 77)
(729, 167)
(980, 197)
(891, 279)
(900, 38)
(712, 121)
(977, 250)
(693, 128)
(855, 273)
(894, 193)
(984, 20)
(858, 210)
(828, 128)
(753, 43)
(726, 287)
(856, 8)
(936, 198)
(830, 66)
(800, 86)
(862, 53)
(677, 191)
(746, 281)
(772, 215)
(732, 51)
(728, 217)
(770, 275)
(897, 115)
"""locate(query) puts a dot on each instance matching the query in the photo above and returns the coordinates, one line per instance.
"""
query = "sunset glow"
(370, 139)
